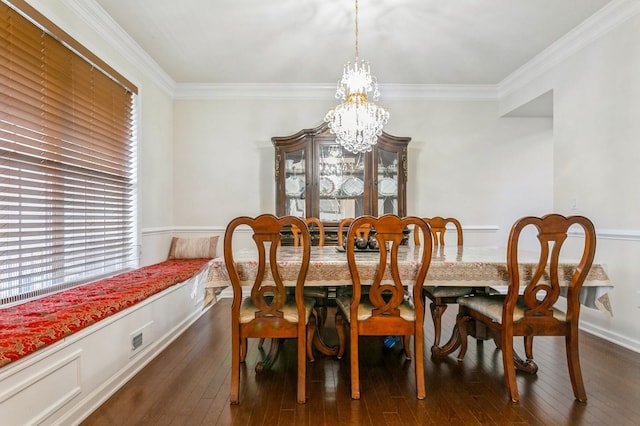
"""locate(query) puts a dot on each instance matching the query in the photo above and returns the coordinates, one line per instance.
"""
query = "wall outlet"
(573, 203)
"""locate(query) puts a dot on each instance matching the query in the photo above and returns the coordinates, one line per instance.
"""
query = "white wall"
(460, 159)
(596, 151)
(224, 158)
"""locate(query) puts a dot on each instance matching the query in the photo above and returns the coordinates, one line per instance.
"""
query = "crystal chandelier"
(357, 122)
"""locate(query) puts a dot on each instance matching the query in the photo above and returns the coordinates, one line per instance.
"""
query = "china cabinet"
(316, 177)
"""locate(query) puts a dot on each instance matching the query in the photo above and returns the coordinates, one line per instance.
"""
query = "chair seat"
(318, 292)
(491, 306)
(248, 310)
(407, 310)
(434, 292)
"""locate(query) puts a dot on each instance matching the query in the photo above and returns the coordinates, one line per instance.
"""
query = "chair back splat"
(528, 309)
(270, 311)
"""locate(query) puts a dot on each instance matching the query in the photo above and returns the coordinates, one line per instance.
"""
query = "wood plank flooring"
(188, 384)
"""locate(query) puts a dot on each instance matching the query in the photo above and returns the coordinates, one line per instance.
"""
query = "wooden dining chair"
(528, 309)
(343, 227)
(270, 311)
(441, 296)
(384, 311)
(312, 222)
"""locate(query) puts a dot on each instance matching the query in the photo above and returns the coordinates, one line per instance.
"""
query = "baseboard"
(100, 395)
(608, 335)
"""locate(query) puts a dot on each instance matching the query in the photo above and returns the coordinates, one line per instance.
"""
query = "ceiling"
(464, 42)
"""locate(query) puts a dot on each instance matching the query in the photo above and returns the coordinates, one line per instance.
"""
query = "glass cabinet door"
(388, 166)
(341, 183)
(295, 184)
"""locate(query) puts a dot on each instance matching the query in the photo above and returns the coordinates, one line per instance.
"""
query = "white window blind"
(67, 162)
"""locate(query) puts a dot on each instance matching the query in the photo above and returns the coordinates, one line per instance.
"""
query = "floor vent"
(136, 341)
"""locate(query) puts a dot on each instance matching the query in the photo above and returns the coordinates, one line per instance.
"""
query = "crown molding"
(217, 91)
(102, 23)
(609, 17)
(594, 27)
(202, 91)
(443, 92)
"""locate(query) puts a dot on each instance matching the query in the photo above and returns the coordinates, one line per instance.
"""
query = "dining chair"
(270, 311)
(441, 296)
(343, 227)
(529, 307)
(384, 311)
(312, 222)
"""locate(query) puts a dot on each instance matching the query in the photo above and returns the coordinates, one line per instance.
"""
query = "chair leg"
(509, 367)
(528, 347)
(573, 362)
(243, 349)
(496, 341)
(437, 310)
(406, 341)
(340, 331)
(418, 348)
(303, 348)
(311, 330)
(261, 342)
(355, 367)
(234, 396)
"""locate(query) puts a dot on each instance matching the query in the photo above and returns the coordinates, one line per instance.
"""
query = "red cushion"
(38, 323)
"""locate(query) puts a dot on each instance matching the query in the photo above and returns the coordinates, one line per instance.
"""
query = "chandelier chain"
(357, 50)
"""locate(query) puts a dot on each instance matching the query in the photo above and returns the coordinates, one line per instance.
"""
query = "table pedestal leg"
(321, 346)
(528, 366)
(271, 357)
(480, 332)
(449, 347)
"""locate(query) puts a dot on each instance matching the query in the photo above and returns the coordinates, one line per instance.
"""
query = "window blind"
(67, 163)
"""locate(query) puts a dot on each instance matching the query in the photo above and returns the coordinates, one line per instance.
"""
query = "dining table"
(482, 267)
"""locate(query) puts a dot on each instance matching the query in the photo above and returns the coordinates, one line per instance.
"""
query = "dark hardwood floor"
(188, 384)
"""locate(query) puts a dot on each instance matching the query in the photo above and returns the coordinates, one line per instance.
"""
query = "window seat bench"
(35, 324)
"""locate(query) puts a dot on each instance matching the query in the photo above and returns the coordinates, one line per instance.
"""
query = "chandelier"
(357, 122)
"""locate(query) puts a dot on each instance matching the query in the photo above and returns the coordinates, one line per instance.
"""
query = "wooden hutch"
(316, 177)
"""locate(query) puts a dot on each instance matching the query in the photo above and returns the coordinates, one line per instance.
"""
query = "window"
(67, 160)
